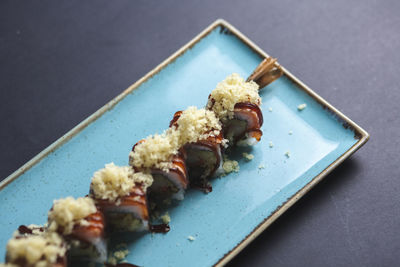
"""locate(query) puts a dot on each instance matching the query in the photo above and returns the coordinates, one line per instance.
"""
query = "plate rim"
(360, 133)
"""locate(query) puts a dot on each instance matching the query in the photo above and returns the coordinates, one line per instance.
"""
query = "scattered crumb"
(290, 132)
(166, 218)
(261, 166)
(119, 255)
(248, 156)
(287, 154)
(231, 166)
(301, 107)
(191, 238)
(270, 109)
(271, 145)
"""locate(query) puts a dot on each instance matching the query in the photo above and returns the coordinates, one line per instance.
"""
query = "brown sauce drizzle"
(205, 187)
(22, 229)
(160, 228)
(25, 230)
(252, 107)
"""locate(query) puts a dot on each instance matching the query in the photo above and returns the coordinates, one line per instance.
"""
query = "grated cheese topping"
(156, 151)
(36, 250)
(69, 211)
(197, 124)
(232, 90)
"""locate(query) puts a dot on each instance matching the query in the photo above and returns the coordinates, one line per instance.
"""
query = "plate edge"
(108, 106)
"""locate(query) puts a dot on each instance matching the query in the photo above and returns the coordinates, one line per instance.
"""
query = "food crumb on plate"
(261, 166)
(290, 132)
(271, 145)
(248, 156)
(166, 218)
(191, 238)
(287, 154)
(270, 109)
(230, 166)
(301, 107)
(118, 255)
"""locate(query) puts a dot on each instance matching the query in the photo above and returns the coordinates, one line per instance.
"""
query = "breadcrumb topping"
(69, 211)
(156, 151)
(36, 250)
(197, 124)
(113, 181)
(232, 90)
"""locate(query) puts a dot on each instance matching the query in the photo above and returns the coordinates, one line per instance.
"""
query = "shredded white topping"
(69, 211)
(156, 151)
(113, 181)
(197, 124)
(231, 91)
(36, 250)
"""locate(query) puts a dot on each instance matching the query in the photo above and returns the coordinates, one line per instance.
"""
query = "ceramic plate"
(242, 204)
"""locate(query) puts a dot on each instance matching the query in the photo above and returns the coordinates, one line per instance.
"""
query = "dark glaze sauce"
(160, 228)
(252, 107)
(25, 230)
(205, 187)
(22, 229)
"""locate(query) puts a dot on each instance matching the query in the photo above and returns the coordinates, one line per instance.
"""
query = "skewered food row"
(161, 168)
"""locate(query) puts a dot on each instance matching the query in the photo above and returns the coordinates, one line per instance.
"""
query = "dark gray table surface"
(62, 60)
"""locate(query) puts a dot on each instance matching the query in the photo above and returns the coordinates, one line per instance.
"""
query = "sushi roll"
(160, 156)
(120, 194)
(237, 105)
(201, 138)
(82, 226)
(32, 246)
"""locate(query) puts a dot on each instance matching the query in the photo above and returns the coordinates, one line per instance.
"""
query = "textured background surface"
(61, 61)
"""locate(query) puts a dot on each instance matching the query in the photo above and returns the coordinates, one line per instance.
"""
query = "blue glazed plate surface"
(218, 221)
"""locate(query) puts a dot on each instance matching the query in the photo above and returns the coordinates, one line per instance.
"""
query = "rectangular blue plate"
(242, 204)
